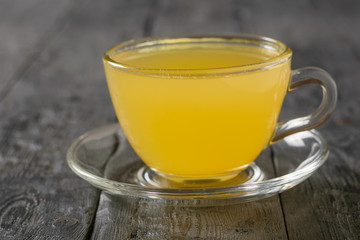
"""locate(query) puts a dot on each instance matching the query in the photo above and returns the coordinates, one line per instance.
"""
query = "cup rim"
(284, 55)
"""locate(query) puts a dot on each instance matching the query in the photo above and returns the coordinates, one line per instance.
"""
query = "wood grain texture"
(52, 51)
(51, 104)
(327, 205)
(61, 95)
(25, 29)
(129, 218)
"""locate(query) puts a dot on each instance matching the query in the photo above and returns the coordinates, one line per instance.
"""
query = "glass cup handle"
(304, 76)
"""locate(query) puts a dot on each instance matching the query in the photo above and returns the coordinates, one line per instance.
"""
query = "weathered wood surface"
(26, 28)
(327, 205)
(40, 116)
(54, 89)
(128, 218)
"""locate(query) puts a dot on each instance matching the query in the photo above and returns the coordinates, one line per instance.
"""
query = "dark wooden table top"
(53, 89)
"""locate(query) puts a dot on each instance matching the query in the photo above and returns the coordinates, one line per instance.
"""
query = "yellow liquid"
(186, 125)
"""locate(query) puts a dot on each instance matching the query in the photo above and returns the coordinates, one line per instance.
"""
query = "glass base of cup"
(103, 158)
(150, 178)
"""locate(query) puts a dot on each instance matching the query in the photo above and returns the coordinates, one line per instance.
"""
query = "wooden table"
(53, 89)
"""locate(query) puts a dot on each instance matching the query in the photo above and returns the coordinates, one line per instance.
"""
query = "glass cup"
(202, 108)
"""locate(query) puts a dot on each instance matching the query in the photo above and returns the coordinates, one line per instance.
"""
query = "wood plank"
(62, 95)
(25, 29)
(327, 205)
(126, 218)
(129, 218)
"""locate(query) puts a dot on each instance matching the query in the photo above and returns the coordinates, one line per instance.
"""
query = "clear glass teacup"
(202, 108)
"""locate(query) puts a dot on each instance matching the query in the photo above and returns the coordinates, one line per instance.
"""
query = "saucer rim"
(119, 188)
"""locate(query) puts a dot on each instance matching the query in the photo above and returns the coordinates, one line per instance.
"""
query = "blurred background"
(68, 38)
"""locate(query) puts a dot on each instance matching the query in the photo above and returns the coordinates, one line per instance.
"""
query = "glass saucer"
(104, 158)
